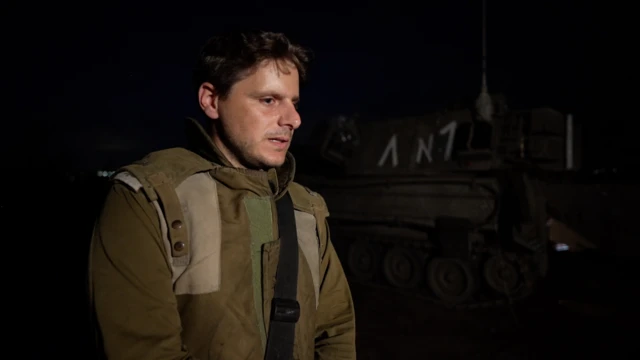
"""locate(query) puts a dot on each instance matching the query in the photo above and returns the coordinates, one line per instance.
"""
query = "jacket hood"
(200, 142)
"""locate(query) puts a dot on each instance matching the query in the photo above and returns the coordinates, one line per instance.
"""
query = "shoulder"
(168, 166)
(175, 163)
(123, 207)
(307, 200)
(311, 202)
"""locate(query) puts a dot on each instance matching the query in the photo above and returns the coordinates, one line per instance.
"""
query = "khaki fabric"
(137, 311)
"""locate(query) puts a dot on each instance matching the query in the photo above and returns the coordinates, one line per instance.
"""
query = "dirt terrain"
(582, 318)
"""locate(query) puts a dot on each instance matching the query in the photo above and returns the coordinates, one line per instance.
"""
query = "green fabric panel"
(261, 225)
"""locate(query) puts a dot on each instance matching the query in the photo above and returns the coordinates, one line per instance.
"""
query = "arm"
(335, 332)
(135, 308)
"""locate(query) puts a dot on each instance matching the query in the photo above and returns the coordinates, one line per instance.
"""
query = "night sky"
(100, 84)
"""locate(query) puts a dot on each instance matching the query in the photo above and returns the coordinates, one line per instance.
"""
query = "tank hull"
(460, 240)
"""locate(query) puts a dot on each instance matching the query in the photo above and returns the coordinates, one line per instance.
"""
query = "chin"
(264, 163)
(273, 162)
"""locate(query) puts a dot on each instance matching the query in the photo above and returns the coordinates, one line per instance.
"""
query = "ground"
(563, 320)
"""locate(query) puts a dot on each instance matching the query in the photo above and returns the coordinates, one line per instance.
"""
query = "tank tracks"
(407, 262)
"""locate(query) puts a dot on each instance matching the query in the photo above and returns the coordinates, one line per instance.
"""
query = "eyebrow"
(259, 94)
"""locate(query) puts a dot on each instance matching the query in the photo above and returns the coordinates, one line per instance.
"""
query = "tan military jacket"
(154, 302)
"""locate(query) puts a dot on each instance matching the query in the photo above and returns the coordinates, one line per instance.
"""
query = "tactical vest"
(185, 197)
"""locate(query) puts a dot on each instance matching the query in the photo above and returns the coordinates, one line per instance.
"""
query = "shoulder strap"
(285, 309)
(309, 201)
(158, 174)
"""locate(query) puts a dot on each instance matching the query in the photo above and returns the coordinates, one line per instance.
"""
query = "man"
(184, 253)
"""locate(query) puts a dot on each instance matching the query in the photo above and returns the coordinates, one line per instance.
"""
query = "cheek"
(255, 125)
(240, 122)
(248, 124)
(246, 133)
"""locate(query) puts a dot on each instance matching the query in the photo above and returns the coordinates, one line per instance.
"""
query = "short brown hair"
(228, 58)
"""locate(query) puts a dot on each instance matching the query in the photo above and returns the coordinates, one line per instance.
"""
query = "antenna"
(484, 105)
(484, 46)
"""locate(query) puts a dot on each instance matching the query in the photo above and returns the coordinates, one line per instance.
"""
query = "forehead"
(272, 76)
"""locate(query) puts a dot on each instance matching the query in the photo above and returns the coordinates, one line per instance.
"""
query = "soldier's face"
(256, 121)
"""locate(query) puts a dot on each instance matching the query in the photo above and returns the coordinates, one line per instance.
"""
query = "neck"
(226, 152)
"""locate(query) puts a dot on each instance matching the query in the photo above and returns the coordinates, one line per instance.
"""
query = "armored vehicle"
(446, 206)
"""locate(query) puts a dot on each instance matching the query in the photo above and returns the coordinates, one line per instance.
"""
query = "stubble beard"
(239, 150)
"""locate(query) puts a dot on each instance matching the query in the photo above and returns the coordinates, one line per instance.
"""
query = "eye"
(268, 101)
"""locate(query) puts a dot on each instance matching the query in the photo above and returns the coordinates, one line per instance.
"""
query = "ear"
(208, 100)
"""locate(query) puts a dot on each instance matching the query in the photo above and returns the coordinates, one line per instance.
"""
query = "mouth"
(279, 140)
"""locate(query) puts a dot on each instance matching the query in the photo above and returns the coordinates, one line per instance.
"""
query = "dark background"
(113, 79)
(92, 86)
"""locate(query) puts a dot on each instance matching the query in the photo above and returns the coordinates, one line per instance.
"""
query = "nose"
(290, 117)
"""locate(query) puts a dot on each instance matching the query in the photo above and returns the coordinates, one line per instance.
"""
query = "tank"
(443, 206)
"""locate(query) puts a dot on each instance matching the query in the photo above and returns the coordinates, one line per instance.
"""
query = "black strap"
(285, 310)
